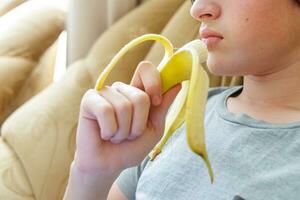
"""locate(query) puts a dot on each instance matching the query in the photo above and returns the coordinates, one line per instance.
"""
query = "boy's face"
(259, 36)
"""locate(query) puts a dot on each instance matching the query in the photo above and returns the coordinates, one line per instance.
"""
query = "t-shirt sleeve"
(128, 179)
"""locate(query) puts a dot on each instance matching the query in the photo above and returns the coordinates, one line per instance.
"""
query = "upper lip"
(205, 33)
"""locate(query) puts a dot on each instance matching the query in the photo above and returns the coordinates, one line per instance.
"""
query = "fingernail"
(156, 100)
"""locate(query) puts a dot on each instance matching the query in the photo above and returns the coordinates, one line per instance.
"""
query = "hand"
(119, 125)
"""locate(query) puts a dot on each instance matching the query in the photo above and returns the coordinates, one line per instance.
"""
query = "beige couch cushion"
(26, 33)
(7, 5)
(40, 77)
(14, 184)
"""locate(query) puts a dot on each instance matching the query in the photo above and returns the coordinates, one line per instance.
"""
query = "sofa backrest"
(26, 59)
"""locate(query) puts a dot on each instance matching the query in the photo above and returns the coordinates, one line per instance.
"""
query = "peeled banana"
(182, 66)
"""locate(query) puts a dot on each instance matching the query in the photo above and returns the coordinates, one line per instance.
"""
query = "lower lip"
(211, 41)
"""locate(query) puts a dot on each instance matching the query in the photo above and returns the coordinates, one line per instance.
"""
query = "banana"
(182, 66)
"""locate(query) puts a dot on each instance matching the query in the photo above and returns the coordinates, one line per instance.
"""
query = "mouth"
(210, 38)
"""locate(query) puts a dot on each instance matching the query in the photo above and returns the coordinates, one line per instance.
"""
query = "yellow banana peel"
(182, 66)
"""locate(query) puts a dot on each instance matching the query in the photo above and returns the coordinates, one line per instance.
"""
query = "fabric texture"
(7, 5)
(100, 15)
(252, 159)
(117, 8)
(27, 52)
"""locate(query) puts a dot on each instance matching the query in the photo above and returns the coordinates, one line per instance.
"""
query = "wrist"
(87, 185)
(90, 166)
(88, 173)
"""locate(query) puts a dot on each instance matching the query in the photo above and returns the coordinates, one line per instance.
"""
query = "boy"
(252, 131)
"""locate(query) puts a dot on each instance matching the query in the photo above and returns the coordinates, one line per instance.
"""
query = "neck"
(280, 88)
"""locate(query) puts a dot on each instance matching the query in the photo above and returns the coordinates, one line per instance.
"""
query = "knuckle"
(153, 88)
(144, 65)
(89, 92)
(104, 90)
(116, 84)
(124, 107)
(145, 62)
(87, 95)
(142, 99)
(105, 110)
(85, 101)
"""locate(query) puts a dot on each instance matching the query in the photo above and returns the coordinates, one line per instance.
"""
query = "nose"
(205, 10)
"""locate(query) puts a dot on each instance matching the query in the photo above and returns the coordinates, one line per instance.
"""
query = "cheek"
(254, 36)
(256, 25)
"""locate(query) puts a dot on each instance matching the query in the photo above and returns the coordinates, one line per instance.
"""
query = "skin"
(260, 43)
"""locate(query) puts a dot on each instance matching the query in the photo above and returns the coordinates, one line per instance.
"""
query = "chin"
(218, 68)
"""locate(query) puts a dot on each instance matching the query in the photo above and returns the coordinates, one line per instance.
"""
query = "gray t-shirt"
(251, 159)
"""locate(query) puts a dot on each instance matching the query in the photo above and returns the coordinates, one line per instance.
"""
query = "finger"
(141, 105)
(96, 111)
(147, 78)
(123, 110)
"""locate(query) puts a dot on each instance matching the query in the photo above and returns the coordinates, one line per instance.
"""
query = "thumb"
(169, 97)
(158, 113)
